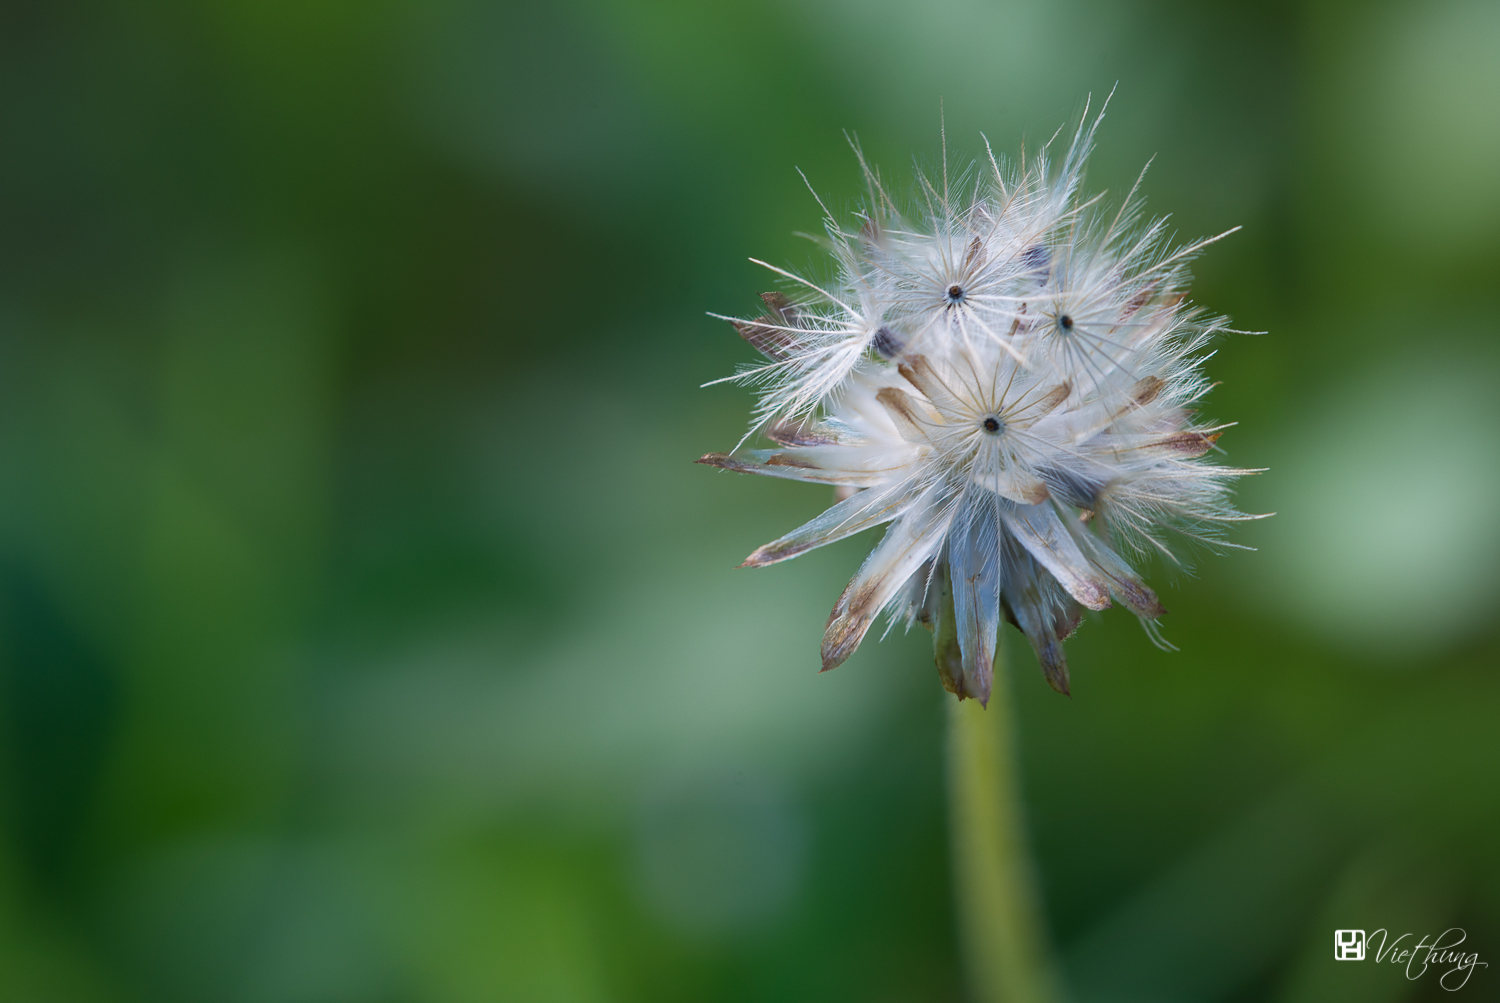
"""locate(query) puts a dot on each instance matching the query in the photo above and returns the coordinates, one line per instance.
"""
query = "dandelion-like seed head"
(1007, 377)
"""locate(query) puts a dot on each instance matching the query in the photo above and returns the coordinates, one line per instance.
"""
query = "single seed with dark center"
(991, 424)
(1066, 322)
(955, 292)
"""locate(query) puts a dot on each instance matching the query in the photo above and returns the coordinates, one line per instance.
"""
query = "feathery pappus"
(1006, 374)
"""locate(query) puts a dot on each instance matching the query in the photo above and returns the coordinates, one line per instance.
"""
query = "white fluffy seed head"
(1007, 376)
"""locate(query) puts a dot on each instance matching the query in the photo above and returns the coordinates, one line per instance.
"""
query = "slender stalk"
(1000, 925)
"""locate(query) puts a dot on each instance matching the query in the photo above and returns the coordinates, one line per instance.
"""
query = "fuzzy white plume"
(1006, 376)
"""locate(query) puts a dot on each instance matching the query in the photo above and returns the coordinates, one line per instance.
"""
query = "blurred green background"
(367, 634)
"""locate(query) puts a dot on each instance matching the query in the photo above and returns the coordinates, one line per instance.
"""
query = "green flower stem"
(998, 916)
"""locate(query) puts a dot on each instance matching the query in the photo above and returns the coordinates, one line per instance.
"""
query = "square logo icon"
(1349, 945)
